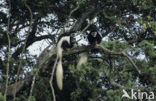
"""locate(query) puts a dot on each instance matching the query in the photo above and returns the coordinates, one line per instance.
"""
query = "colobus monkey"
(64, 42)
(94, 37)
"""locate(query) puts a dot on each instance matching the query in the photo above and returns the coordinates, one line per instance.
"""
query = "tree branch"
(24, 47)
(119, 53)
(51, 79)
(70, 15)
(34, 76)
(9, 53)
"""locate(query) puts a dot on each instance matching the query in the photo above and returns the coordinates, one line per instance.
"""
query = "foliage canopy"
(127, 26)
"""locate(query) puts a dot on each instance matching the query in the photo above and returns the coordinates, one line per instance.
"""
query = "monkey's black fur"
(65, 44)
(94, 38)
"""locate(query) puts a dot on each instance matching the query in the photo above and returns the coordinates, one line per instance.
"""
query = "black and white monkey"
(93, 38)
(64, 42)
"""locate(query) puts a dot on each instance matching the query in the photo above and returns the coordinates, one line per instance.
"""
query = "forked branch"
(119, 53)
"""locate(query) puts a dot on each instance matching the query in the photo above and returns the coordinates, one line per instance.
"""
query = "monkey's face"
(94, 34)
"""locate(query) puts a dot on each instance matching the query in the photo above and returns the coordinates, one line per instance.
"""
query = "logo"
(138, 94)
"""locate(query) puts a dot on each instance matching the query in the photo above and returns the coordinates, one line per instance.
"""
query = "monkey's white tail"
(59, 74)
(83, 59)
